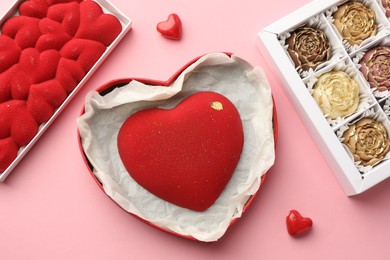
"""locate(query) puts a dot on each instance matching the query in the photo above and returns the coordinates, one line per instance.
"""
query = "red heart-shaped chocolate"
(69, 74)
(23, 128)
(9, 52)
(85, 52)
(5, 83)
(185, 155)
(171, 28)
(8, 152)
(96, 25)
(53, 35)
(296, 224)
(68, 14)
(34, 8)
(25, 30)
(8, 110)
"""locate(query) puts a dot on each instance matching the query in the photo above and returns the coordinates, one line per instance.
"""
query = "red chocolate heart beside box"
(121, 98)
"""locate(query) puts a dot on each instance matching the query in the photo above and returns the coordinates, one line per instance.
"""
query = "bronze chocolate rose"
(367, 140)
(337, 94)
(355, 22)
(308, 47)
(386, 5)
(375, 66)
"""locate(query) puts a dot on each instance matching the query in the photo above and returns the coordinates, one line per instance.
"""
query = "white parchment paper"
(244, 85)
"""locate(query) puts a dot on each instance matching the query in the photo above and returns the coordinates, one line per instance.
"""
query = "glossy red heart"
(9, 52)
(185, 155)
(68, 14)
(96, 25)
(34, 8)
(296, 224)
(171, 28)
(25, 30)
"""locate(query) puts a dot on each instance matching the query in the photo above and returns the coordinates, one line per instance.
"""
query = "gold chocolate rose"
(355, 22)
(308, 47)
(337, 94)
(367, 140)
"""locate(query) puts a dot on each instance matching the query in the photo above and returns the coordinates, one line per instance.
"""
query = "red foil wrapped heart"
(185, 155)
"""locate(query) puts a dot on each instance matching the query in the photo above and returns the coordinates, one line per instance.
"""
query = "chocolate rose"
(367, 140)
(386, 5)
(355, 22)
(337, 94)
(375, 66)
(308, 47)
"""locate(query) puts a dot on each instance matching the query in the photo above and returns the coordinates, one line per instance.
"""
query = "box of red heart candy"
(334, 59)
(48, 50)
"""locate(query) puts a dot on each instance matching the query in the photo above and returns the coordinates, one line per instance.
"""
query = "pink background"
(52, 209)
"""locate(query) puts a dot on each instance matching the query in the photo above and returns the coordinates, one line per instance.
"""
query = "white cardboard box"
(351, 179)
(126, 26)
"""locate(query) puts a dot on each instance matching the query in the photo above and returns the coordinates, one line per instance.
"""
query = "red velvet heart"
(39, 108)
(68, 14)
(85, 52)
(53, 35)
(93, 22)
(8, 110)
(51, 91)
(25, 30)
(34, 8)
(5, 83)
(185, 155)
(23, 128)
(69, 74)
(53, 2)
(9, 52)
(171, 28)
(296, 224)
(8, 152)
(33, 67)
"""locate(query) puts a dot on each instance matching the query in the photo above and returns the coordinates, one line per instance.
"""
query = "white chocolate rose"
(337, 94)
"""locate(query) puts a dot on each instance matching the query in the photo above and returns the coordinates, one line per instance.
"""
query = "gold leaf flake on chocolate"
(216, 105)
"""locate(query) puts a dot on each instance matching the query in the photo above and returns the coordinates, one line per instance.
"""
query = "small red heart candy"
(25, 30)
(53, 35)
(69, 74)
(8, 110)
(185, 155)
(296, 224)
(34, 8)
(96, 25)
(68, 14)
(85, 52)
(23, 128)
(171, 28)
(8, 153)
(9, 52)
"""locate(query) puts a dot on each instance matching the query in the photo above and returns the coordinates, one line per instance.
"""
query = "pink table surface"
(52, 209)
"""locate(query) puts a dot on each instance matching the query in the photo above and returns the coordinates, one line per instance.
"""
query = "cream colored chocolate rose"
(337, 94)
(308, 47)
(355, 22)
(367, 140)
